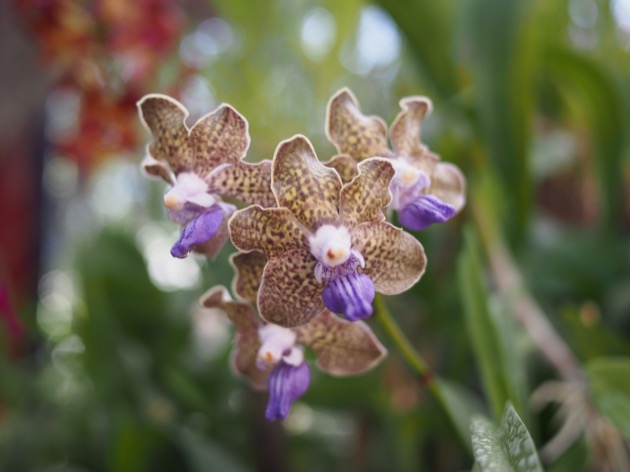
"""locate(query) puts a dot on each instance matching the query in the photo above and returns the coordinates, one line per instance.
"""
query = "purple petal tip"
(350, 295)
(287, 383)
(199, 230)
(424, 211)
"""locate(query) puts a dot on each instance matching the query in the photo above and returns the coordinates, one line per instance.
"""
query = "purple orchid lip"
(287, 383)
(425, 211)
(350, 295)
(199, 230)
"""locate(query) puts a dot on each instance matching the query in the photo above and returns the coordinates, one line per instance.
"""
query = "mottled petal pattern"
(303, 184)
(154, 168)
(165, 118)
(249, 268)
(352, 132)
(345, 166)
(341, 347)
(405, 130)
(289, 295)
(250, 183)
(269, 230)
(449, 185)
(364, 198)
(219, 137)
(247, 341)
(394, 259)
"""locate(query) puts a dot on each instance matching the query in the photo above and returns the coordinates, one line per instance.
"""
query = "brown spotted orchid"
(202, 164)
(326, 245)
(425, 190)
(271, 356)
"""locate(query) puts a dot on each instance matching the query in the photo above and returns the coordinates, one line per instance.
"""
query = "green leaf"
(202, 454)
(589, 89)
(492, 335)
(508, 447)
(609, 382)
(462, 406)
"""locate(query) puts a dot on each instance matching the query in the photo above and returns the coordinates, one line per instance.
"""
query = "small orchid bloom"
(424, 190)
(202, 164)
(325, 245)
(272, 357)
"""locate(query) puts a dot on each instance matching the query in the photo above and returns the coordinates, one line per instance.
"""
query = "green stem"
(408, 352)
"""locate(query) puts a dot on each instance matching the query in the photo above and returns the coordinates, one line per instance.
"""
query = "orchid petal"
(364, 198)
(248, 273)
(219, 137)
(245, 353)
(302, 184)
(350, 295)
(394, 259)
(154, 168)
(341, 347)
(423, 212)
(289, 295)
(212, 247)
(352, 132)
(449, 185)
(287, 383)
(345, 166)
(272, 231)
(165, 118)
(405, 130)
(198, 231)
(250, 183)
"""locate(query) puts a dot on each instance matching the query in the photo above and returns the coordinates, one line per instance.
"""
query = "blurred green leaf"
(202, 454)
(506, 448)
(462, 406)
(589, 90)
(492, 336)
(609, 382)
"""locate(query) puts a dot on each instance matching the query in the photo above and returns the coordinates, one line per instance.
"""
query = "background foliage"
(120, 371)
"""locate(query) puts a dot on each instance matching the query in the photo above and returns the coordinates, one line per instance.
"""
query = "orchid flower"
(325, 245)
(272, 357)
(202, 164)
(425, 190)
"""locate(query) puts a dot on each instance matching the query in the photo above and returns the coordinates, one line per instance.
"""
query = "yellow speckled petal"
(405, 130)
(154, 168)
(345, 166)
(247, 341)
(304, 185)
(341, 347)
(449, 185)
(165, 118)
(248, 268)
(394, 259)
(219, 137)
(250, 183)
(352, 132)
(364, 198)
(289, 295)
(272, 231)
(212, 247)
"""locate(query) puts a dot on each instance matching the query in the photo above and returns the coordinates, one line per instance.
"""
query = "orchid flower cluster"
(313, 237)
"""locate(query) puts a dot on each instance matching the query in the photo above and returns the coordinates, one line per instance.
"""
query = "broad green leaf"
(508, 447)
(609, 382)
